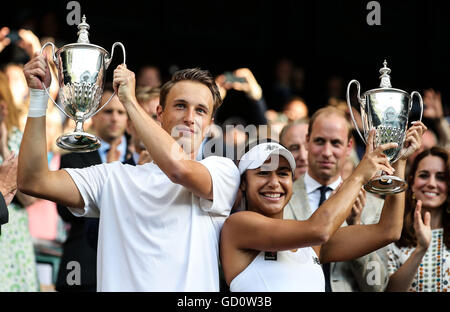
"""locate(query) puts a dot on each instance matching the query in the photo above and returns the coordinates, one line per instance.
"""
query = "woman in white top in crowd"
(420, 260)
(262, 252)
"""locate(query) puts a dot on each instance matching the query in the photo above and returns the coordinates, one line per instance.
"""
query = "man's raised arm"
(34, 178)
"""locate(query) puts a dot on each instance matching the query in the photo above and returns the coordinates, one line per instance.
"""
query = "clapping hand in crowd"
(113, 153)
(422, 227)
(354, 218)
(355, 215)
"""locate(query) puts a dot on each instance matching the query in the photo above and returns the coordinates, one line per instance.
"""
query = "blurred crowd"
(41, 238)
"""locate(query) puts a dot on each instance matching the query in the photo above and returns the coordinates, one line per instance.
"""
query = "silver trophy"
(81, 71)
(386, 109)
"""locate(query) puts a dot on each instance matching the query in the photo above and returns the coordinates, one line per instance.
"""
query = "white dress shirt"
(312, 186)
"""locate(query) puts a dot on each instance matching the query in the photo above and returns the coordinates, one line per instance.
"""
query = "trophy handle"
(420, 102)
(107, 62)
(421, 113)
(55, 60)
(361, 102)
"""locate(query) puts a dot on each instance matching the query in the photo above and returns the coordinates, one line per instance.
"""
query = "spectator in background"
(295, 108)
(289, 82)
(81, 245)
(293, 137)
(17, 260)
(148, 98)
(44, 224)
(149, 76)
(433, 114)
(233, 86)
(420, 260)
(30, 44)
(19, 90)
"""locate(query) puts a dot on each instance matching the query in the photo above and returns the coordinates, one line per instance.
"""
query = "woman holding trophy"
(262, 252)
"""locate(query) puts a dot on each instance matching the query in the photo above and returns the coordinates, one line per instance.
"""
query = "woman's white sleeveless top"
(298, 271)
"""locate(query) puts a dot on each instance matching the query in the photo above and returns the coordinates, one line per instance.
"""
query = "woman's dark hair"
(408, 237)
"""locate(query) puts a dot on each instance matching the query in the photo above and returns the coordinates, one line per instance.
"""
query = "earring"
(413, 196)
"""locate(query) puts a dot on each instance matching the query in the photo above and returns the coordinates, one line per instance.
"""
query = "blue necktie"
(325, 266)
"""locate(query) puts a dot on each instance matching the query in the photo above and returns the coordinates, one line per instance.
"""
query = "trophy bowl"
(81, 69)
(386, 110)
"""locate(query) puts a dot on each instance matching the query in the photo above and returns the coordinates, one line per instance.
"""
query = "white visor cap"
(258, 155)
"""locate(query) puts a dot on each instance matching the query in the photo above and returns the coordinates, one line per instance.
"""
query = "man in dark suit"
(81, 244)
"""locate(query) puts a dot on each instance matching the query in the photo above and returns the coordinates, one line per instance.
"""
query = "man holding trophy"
(159, 222)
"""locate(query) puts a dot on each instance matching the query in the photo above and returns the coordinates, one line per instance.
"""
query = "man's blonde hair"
(144, 94)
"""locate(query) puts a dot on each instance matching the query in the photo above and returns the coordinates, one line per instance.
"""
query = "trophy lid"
(83, 34)
(385, 84)
(83, 40)
(385, 78)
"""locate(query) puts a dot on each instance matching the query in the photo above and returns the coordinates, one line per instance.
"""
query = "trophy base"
(78, 142)
(386, 185)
